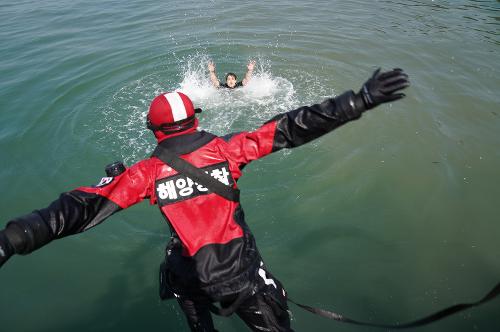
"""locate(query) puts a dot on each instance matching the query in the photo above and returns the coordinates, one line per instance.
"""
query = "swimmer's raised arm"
(248, 75)
(213, 75)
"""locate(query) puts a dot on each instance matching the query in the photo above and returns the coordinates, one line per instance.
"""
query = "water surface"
(387, 219)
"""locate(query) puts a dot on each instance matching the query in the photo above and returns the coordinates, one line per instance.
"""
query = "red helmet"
(171, 112)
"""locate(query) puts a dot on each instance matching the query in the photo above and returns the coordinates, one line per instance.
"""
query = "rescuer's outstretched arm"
(75, 211)
(306, 123)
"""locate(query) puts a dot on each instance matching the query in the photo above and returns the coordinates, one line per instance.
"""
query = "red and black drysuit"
(216, 255)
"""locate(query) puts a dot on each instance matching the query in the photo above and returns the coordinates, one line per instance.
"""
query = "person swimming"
(231, 78)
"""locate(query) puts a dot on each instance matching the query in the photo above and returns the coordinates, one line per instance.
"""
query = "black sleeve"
(306, 123)
(72, 213)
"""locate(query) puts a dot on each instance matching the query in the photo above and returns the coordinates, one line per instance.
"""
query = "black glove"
(6, 249)
(380, 87)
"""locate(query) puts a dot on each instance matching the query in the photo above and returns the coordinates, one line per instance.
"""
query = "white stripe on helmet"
(178, 109)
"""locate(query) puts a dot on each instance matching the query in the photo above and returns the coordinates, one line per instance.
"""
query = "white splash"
(122, 131)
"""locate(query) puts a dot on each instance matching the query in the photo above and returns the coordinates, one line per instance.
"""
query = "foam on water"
(121, 130)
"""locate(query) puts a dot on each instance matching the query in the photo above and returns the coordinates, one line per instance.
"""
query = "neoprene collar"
(183, 144)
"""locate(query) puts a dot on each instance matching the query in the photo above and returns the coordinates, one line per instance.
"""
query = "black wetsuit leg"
(197, 314)
(266, 311)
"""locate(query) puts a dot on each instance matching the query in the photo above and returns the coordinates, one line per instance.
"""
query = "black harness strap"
(196, 174)
(423, 321)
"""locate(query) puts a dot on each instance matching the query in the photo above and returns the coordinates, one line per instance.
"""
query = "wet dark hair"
(231, 74)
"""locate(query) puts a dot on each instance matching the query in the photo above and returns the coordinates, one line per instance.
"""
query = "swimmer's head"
(231, 80)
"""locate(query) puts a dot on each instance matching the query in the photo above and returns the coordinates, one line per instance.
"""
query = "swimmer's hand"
(211, 66)
(381, 87)
(251, 65)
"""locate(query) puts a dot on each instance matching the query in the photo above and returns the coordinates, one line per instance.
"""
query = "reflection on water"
(460, 19)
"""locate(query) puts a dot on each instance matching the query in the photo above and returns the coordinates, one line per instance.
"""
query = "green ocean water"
(386, 219)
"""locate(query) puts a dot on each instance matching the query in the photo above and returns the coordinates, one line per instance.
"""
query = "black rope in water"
(423, 321)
